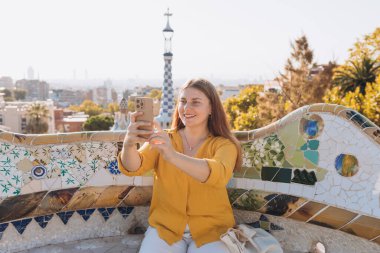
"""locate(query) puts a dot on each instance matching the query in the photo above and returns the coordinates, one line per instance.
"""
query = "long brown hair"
(217, 123)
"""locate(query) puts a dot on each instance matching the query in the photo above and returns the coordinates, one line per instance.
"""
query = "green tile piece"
(313, 144)
(304, 147)
(312, 156)
(321, 173)
(298, 159)
(274, 174)
(264, 225)
(252, 173)
(301, 141)
(289, 133)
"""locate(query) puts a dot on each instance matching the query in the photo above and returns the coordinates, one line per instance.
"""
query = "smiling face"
(194, 107)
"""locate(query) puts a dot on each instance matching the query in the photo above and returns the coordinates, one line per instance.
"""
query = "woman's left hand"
(161, 141)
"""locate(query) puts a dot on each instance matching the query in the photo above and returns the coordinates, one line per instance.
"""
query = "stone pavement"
(116, 244)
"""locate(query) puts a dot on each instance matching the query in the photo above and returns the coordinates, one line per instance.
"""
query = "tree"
(7, 94)
(356, 73)
(98, 123)
(19, 94)
(155, 94)
(368, 46)
(368, 104)
(38, 115)
(240, 109)
(303, 82)
(88, 107)
(113, 107)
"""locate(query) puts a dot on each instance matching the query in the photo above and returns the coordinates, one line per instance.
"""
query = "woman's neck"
(196, 133)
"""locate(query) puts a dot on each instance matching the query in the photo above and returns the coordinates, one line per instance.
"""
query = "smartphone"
(145, 105)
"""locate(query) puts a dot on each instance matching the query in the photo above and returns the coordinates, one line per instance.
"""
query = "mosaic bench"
(312, 176)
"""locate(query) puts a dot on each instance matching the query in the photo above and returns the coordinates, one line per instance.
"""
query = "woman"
(192, 165)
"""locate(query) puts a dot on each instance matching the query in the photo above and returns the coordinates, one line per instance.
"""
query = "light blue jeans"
(152, 243)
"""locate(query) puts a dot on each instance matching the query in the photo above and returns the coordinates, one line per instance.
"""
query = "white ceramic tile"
(296, 189)
(137, 181)
(124, 180)
(308, 191)
(270, 186)
(258, 184)
(49, 184)
(283, 188)
(101, 178)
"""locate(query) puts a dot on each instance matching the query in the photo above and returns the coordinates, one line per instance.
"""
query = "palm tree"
(356, 74)
(38, 115)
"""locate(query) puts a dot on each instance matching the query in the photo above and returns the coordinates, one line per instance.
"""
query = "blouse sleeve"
(148, 159)
(222, 164)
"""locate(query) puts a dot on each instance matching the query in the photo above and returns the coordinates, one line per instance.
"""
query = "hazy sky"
(212, 38)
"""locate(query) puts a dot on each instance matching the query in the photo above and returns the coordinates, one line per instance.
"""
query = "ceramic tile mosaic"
(319, 164)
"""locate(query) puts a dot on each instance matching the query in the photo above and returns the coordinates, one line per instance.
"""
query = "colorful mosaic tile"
(106, 212)
(86, 214)
(346, 165)
(21, 225)
(265, 224)
(124, 211)
(43, 220)
(65, 216)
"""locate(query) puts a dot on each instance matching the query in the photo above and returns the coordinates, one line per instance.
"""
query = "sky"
(226, 39)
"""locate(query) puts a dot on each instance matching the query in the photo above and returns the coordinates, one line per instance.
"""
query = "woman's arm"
(130, 159)
(194, 167)
(215, 171)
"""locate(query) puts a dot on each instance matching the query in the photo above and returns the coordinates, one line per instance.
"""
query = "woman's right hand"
(134, 134)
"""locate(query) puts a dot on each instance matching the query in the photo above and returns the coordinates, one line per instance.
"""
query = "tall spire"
(167, 100)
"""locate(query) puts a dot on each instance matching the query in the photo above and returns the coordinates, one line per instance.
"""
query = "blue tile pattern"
(86, 214)
(125, 211)
(106, 212)
(43, 220)
(65, 216)
(21, 225)
(113, 168)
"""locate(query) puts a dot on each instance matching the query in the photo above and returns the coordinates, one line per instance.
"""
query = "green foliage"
(155, 94)
(37, 115)
(19, 94)
(112, 108)
(368, 46)
(356, 73)
(98, 123)
(88, 107)
(241, 110)
(367, 104)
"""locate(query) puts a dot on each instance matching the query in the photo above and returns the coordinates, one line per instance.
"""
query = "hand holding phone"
(144, 105)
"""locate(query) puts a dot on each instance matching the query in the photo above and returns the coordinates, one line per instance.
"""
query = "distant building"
(14, 117)
(6, 82)
(30, 72)
(272, 85)
(69, 121)
(64, 98)
(35, 89)
(103, 95)
(228, 92)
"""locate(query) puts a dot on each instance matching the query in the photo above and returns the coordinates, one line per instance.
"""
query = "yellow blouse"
(178, 199)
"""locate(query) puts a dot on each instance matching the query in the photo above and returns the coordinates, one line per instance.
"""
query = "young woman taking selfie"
(192, 162)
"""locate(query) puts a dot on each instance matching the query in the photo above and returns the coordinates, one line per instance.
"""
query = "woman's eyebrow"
(197, 98)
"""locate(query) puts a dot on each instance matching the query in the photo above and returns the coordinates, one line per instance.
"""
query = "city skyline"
(121, 40)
